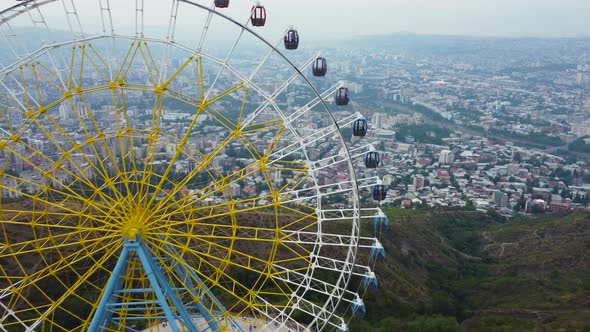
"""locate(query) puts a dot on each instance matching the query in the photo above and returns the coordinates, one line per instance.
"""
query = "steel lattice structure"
(152, 183)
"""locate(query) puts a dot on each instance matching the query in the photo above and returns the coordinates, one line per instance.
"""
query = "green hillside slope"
(459, 270)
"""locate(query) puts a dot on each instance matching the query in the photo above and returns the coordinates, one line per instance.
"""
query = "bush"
(434, 324)
(501, 324)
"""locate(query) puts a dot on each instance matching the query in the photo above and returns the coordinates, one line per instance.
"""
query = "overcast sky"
(321, 19)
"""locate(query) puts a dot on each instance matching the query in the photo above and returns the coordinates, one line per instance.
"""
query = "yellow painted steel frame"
(63, 224)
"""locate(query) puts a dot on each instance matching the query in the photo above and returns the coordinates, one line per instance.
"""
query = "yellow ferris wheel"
(163, 167)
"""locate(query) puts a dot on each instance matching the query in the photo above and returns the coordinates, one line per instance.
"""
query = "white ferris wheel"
(164, 167)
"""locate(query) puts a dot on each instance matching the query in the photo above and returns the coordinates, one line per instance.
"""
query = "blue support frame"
(203, 290)
(167, 301)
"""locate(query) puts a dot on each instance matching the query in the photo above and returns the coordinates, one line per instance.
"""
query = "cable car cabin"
(379, 192)
(360, 127)
(319, 68)
(372, 159)
(342, 97)
(358, 308)
(380, 222)
(377, 251)
(258, 18)
(291, 39)
(370, 280)
(221, 3)
(343, 328)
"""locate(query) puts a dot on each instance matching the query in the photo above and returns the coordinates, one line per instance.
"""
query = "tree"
(517, 157)
(564, 194)
(434, 324)
(443, 304)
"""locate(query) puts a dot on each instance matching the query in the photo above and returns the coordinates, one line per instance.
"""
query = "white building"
(377, 121)
(65, 111)
(446, 157)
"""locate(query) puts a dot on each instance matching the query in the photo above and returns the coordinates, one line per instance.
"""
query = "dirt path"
(493, 243)
(462, 254)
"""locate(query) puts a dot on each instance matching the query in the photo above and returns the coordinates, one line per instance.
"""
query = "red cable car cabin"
(258, 17)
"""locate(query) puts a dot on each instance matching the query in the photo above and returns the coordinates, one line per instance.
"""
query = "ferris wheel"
(163, 167)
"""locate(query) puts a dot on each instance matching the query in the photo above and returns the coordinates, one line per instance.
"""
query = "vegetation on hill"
(580, 145)
(452, 270)
(423, 133)
(463, 271)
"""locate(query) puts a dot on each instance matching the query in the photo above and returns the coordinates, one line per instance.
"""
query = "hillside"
(458, 270)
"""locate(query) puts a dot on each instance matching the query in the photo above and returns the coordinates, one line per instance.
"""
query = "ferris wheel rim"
(225, 65)
(356, 225)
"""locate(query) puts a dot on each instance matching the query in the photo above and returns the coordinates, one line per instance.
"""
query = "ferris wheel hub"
(132, 234)
(135, 224)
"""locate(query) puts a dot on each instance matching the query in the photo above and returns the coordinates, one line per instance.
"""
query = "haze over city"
(329, 19)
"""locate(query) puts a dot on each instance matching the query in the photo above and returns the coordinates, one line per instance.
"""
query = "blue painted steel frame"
(162, 289)
(204, 290)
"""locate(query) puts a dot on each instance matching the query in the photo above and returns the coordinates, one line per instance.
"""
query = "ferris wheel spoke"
(29, 101)
(38, 220)
(264, 60)
(205, 29)
(164, 63)
(211, 261)
(340, 158)
(226, 231)
(190, 201)
(124, 140)
(97, 64)
(47, 187)
(64, 264)
(206, 161)
(58, 242)
(312, 137)
(78, 173)
(128, 60)
(315, 285)
(219, 210)
(139, 18)
(211, 232)
(152, 143)
(217, 184)
(326, 239)
(180, 147)
(19, 108)
(347, 214)
(51, 203)
(47, 76)
(336, 265)
(82, 280)
(72, 18)
(305, 109)
(224, 64)
(281, 89)
(319, 313)
(60, 131)
(15, 44)
(216, 253)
